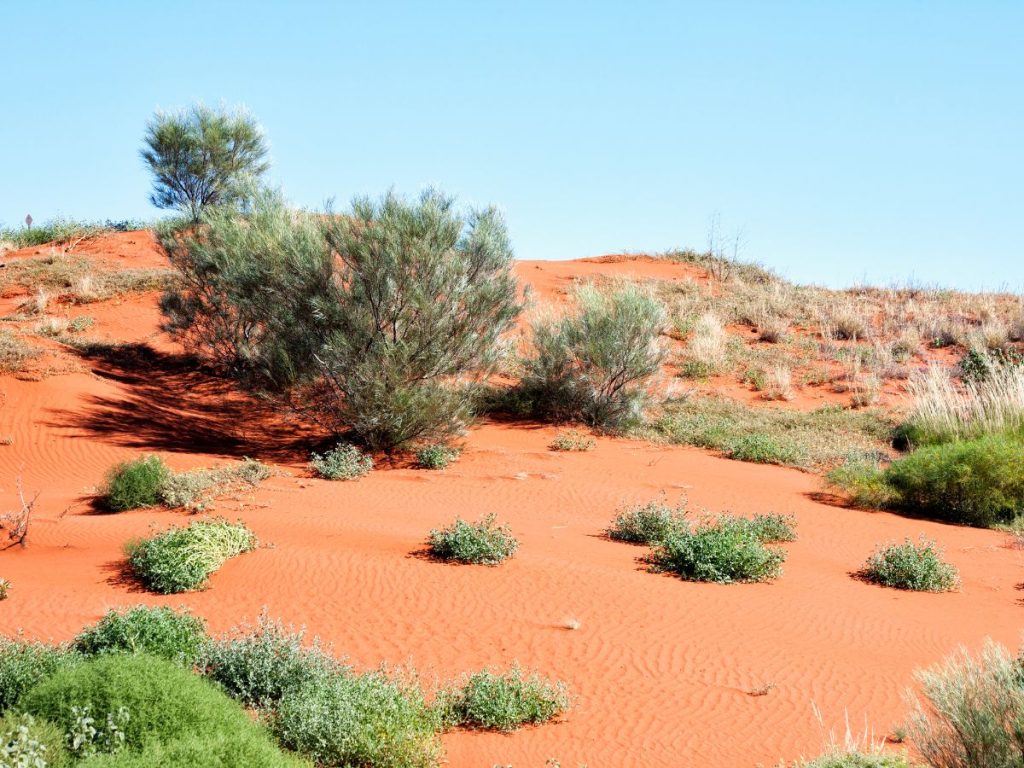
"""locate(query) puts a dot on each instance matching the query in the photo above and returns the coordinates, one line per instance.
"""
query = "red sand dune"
(661, 669)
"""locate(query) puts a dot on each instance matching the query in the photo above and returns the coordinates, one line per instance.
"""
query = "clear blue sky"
(848, 140)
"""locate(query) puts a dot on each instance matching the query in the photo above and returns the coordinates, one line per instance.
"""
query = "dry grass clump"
(779, 384)
(707, 349)
(75, 280)
(14, 353)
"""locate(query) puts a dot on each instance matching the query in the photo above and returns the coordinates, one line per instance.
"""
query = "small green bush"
(259, 665)
(770, 528)
(504, 701)
(482, 543)
(918, 567)
(723, 551)
(572, 440)
(135, 484)
(24, 664)
(160, 631)
(26, 742)
(648, 523)
(359, 720)
(437, 456)
(343, 462)
(182, 559)
(164, 701)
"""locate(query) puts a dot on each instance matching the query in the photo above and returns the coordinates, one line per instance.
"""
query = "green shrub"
(202, 157)
(164, 701)
(764, 449)
(972, 713)
(648, 523)
(572, 440)
(193, 490)
(26, 742)
(182, 559)
(24, 664)
(343, 462)
(725, 551)
(504, 701)
(259, 665)
(863, 480)
(436, 456)
(918, 567)
(596, 364)
(977, 482)
(771, 527)
(359, 720)
(135, 484)
(159, 631)
(483, 543)
(246, 749)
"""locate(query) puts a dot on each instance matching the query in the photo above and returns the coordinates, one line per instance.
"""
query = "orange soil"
(662, 670)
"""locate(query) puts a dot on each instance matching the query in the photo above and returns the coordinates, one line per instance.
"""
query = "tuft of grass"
(572, 440)
(503, 701)
(725, 551)
(485, 542)
(917, 567)
(193, 490)
(5, 589)
(649, 523)
(343, 462)
(134, 484)
(14, 353)
(158, 631)
(74, 279)
(182, 559)
(437, 456)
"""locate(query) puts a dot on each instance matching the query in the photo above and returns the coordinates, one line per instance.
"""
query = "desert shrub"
(194, 489)
(648, 523)
(258, 665)
(863, 481)
(14, 353)
(26, 742)
(164, 702)
(918, 567)
(24, 664)
(159, 631)
(596, 364)
(707, 350)
(976, 482)
(359, 720)
(572, 440)
(972, 713)
(504, 701)
(182, 559)
(134, 484)
(764, 449)
(485, 542)
(436, 456)
(343, 462)
(245, 749)
(726, 550)
(202, 157)
(770, 527)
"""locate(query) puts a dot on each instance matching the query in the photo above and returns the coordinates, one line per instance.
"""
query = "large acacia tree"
(203, 157)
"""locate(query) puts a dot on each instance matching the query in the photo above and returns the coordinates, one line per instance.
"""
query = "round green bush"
(343, 462)
(247, 749)
(159, 631)
(164, 701)
(134, 484)
(917, 567)
(648, 523)
(506, 701)
(723, 551)
(483, 543)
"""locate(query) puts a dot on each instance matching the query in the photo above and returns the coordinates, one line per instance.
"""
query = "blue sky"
(877, 141)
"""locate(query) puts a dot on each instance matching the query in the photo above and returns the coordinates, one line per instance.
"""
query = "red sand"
(661, 669)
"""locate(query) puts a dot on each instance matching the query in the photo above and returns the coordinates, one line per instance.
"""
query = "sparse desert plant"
(771, 328)
(846, 323)
(202, 157)
(763, 449)
(258, 665)
(649, 523)
(503, 701)
(159, 631)
(596, 363)
(24, 664)
(14, 525)
(182, 559)
(917, 567)
(723, 551)
(194, 489)
(856, 760)
(134, 484)
(865, 390)
(343, 462)
(14, 353)
(770, 527)
(485, 542)
(436, 456)
(707, 349)
(5, 589)
(359, 720)
(572, 440)
(971, 711)
(779, 384)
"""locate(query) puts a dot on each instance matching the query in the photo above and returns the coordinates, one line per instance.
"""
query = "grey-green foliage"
(26, 742)
(648, 523)
(342, 462)
(595, 364)
(24, 663)
(157, 630)
(726, 550)
(917, 567)
(202, 157)
(90, 736)
(503, 701)
(485, 542)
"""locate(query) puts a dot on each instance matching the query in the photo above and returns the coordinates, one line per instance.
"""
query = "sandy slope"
(661, 669)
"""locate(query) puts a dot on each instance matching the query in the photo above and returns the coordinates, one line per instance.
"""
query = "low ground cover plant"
(914, 566)
(159, 631)
(572, 440)
(503, 701)
(856, 760)
(182, 559)
(343, 462)
(437, 456)
(485, 542)
(148, 481)
(649, 523)
(723, 550)
(14, 353)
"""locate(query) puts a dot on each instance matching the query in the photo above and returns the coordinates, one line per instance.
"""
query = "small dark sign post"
(28, 221)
